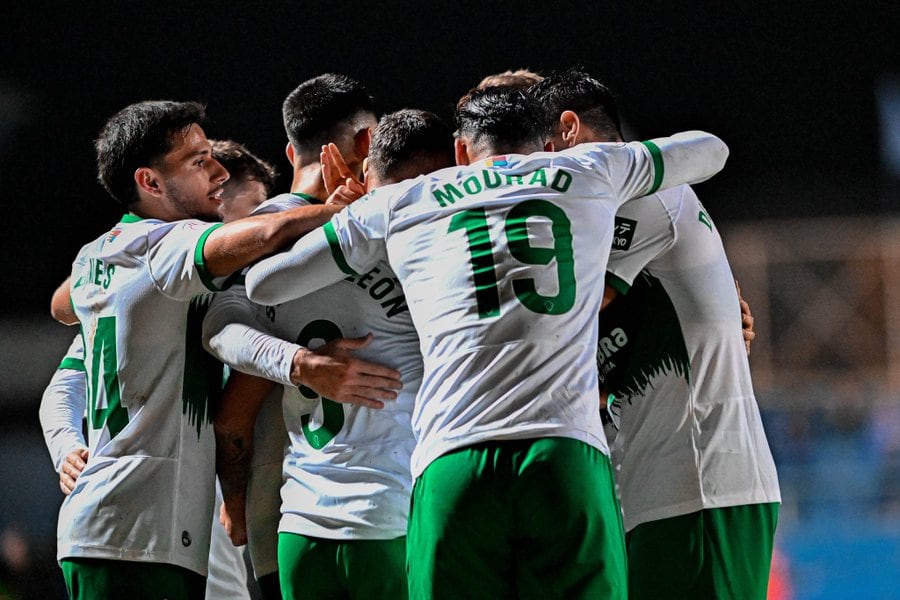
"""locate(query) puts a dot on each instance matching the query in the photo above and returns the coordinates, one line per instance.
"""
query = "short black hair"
(575, 90)
(408, 141)
(316, 108)
(138, 136)
(504, 117)
(242, 164)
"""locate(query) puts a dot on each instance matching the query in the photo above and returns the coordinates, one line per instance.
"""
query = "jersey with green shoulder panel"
(671, 351)
(346, 473)
(147, 491)
(502, 263)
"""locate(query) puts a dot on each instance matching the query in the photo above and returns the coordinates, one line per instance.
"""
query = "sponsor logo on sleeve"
(623, 233)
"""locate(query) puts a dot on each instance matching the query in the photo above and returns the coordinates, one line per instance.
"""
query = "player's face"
(192, 177)
(240, 198)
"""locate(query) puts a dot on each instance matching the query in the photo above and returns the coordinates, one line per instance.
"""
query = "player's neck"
(308, 180)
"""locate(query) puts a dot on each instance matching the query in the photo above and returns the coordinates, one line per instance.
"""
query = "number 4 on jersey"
(103, 357)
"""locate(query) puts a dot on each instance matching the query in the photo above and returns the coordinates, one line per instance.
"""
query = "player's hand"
(337, 175)
(334, 373)
(235, 524)
(344, 195)
(746, 319)
(71, 468)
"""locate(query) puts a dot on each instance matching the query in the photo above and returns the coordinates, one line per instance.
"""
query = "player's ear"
(461, 152)
(148, 181)
(289, 152)
(362, 141)
(368, 181)
(570, 127)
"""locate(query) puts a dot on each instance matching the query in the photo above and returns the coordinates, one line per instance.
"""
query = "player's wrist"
(300, 366)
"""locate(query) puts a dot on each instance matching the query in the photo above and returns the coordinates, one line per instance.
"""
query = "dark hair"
(505, 118)
(242, 164)
(520, 78)
(575, 90)
(408, 142)
(317, 108)
(138, 136)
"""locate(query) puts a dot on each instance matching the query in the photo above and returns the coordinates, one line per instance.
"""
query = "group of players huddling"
(417, 377)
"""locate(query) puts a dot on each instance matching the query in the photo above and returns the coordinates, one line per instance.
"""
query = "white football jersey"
(347, 471)
(147, 492)
(671, 351)
(502, 263)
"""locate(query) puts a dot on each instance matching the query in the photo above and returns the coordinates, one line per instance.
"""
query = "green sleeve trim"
(336, 252)
(205, 276)
(617, 283)
(659, 168)
(307, 197)
(76, 364)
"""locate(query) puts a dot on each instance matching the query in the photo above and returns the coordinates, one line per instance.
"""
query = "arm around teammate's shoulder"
(687, 157)
(237, 244)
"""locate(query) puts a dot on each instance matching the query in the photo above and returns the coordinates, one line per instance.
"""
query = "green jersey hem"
(617, 283)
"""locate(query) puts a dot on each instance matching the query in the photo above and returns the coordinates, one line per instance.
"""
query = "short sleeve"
(175, 259)
(644, 229)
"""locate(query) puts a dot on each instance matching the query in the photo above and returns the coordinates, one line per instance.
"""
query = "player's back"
(347, 470)
(149, 385)
(671, 350)
(502, 263)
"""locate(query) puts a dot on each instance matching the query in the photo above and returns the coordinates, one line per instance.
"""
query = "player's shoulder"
(593, 153)
(280, 203)
(133, 235)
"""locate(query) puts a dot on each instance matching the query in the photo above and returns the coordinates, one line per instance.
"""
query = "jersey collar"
(130, 218)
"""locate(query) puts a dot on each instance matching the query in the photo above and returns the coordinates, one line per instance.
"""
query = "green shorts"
(712, 553)
(92, 578)
(310, 567)
(534, 518)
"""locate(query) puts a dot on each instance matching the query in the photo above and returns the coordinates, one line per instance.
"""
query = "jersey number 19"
(481, 255)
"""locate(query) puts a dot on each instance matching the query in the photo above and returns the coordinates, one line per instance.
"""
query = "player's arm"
(349, 244)
(235, 245)
(234, 423)
(232, 334)
(61, 304)
(641, 168)
(312, 263)
(688, 157)
(61, 412)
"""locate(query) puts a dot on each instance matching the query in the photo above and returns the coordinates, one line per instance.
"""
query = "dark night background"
(800, 91)
(789, 86)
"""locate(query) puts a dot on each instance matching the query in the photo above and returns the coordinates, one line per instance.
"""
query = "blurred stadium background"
(806, 95)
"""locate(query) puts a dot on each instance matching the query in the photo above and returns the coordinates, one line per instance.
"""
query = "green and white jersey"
(502, 263)
(671, 350)
(347, 471)
(148, 489)
(63, 406)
